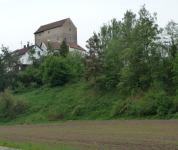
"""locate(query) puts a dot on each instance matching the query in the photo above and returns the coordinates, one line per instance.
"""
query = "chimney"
(27, 44)
(24, 46)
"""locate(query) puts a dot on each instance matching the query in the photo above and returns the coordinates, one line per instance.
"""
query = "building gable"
(50, 26)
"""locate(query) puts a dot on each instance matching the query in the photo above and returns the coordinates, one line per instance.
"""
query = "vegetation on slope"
(130, 70)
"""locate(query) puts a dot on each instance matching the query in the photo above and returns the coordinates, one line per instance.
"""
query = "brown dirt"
(124, 134)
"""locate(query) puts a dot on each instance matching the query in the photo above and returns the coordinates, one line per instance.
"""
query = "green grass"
(31, 146)
(75, 102)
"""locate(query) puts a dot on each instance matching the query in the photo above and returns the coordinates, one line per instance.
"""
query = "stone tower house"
(56, 32)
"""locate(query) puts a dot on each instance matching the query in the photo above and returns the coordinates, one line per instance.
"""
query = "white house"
(56, 46)
(24, 56)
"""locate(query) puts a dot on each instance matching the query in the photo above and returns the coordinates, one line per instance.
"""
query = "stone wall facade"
(67, 31)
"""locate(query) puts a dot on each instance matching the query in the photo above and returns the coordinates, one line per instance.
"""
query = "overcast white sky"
(19, 19)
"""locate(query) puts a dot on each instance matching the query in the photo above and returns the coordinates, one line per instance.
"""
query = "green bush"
(33, 85)
(78, 110)
(19, 88)
(11, 106)
(153, 103)
(117, 107)
(56, 71)
(29, 75)
(35, 118)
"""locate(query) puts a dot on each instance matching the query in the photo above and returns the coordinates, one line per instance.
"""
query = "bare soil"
(114, 134)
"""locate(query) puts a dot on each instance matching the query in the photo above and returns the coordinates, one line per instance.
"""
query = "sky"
(19, 19)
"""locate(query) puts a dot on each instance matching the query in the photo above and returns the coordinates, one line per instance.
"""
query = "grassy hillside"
(82, 102)
(71, 102)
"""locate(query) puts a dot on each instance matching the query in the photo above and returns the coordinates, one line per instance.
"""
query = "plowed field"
(124, 134)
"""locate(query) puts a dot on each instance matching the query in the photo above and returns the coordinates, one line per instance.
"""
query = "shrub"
(57, 71)
(56, 116)
(19, 88)
(11, 106)
(117, 107)
(33, 85)
(153, 103)
(78, 110)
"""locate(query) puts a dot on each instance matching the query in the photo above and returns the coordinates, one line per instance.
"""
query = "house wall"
(44, 48)
(26, 55)
(72, 49)
(58, 34)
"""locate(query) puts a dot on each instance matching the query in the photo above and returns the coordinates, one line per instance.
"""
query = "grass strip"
(32, 146)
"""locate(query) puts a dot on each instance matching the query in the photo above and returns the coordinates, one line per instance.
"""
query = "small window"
(19, 68)
(69, 22)
(39, 34)
(65, 39)
(69, 29)
(48, 32)
(38, 52)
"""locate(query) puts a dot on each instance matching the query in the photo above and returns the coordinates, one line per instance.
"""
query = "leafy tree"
(64, 49)
(35, 62)
(50, 50)
(108, 32)
(136, 75)
(76, 63)
(170, 38)
(7, 63)
(56, 71)
(93, 59)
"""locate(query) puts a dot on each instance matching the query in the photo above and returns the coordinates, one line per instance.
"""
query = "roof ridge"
(54, 22)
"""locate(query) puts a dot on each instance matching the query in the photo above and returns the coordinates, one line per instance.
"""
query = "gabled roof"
(51, 26)
(56, 45)
(20, 51)
(76, 46)
(23, 50)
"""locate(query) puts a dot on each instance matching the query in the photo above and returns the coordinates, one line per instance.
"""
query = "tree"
(56, 71)
(50, 50)
(7, 63)
(108, 32)
(64, 49)
(137, 74)
(93, 59)
(35, 62)
(170, 39)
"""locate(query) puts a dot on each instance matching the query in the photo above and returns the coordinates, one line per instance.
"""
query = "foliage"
(175, 69)
(64, 49)
(29, 75)
(117, 108)
(7, 63)
(35, 61)
(57, 71)
(50, 50)
(11, 106)
(93, 59)
(19, 88)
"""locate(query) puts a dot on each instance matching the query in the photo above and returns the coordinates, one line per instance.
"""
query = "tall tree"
(7, 63)
(170, 38)
(64, 49)
(136, 74)
(93, 59)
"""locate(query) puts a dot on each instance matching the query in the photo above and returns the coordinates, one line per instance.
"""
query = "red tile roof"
(51, 26)
(76, 46)
(56, 45)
